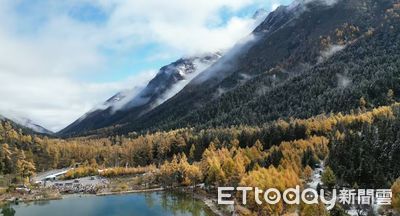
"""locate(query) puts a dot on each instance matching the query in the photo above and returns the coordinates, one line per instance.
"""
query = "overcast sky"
(60, 58)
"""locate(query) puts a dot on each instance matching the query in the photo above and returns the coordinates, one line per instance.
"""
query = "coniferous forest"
(320, 96)
(361, 149)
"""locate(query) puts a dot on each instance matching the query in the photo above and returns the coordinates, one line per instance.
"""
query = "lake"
(140, 204)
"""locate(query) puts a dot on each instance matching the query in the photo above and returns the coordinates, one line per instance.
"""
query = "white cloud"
(186, 26)
(45, 52)
(56, 101)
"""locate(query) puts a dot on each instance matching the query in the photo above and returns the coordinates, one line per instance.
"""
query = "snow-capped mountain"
(167, 82)
(251, 84)
(126, 106)
(172, 78)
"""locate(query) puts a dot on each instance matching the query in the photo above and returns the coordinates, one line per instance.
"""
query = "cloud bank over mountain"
(61, 58)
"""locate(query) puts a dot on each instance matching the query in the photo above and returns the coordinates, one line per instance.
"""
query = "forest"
(274, 130)
(361, 149)
(301, 83)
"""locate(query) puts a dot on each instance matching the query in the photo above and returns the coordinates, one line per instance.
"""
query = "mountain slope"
(293, 41)
(26, 125)
(33, 126)
(303, 60)
(126, 107)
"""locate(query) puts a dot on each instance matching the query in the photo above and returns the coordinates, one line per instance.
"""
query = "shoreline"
(129, 191)
(208, 201)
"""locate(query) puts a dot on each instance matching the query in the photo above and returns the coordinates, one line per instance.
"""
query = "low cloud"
(55, 101)
(244, 78)
(219, 70)
(329, 2)
(220, 91)
(329, 52)
(343, 81)
(325, 2)
(52, 52)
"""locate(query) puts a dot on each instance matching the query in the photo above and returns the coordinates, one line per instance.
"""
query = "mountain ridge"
(27, 124)
(290, 62)
(291, 41)
(167, 82)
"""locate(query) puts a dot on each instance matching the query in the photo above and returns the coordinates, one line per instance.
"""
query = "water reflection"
(158, 203)
(180, 203)
(8, 211)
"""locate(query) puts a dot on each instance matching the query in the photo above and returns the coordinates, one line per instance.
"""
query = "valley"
(310, 99)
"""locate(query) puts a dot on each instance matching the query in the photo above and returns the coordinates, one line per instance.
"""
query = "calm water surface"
(142, 204)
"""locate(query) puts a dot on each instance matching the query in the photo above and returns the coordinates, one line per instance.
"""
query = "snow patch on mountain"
(199, 66)
(168, 81)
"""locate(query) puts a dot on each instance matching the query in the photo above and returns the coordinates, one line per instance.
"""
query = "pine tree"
(6, 158)
(192, 153)
(328, 178)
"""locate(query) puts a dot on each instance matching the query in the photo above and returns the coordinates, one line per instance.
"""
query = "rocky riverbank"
(34, 195)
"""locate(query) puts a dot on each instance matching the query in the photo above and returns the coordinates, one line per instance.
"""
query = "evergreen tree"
(328, 178)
